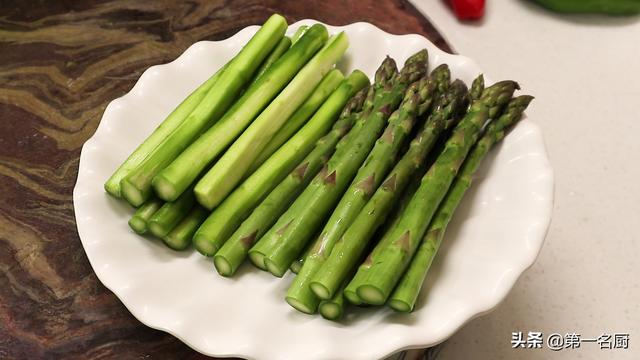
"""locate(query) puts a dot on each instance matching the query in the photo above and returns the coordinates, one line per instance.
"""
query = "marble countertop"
(585, 74)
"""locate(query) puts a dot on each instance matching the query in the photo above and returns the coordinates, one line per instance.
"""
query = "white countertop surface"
(585, 74)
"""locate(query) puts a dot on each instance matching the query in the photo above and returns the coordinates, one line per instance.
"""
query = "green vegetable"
(138, 221)
(136, 186)
(351, 245)
(234, 251)
(190, 164)
(306, 215)
(612, 7)
(417, 100)
(405, 294)
(395, 250)
(226, 218)
(328, 84)
(401, 202)
(112, 186)
(223, 177)
(180, 237)
(276, 53)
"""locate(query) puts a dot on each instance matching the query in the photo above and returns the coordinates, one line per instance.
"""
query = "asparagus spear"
(170, 214)
(328, 84)
(136, 186)
(185, 169)
(401, 203)
(405, 294)
(228, 216)
(400, 243)
(223, 177)
(180, 237)
(417, 100)
(138, 221)
(310, 209)
(112, 186)
(276, 53)
(352, 244)
(234, 251)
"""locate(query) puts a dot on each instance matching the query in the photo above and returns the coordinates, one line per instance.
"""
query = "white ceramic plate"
(496, 234)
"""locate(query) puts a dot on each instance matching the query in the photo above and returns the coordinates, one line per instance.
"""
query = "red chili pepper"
(468, 9)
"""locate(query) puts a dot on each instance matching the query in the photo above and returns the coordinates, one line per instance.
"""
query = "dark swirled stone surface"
(61, 63)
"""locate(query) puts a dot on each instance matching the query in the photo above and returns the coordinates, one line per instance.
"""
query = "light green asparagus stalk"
(298, 34)
(383, 77)
(398, 245)
(136, 185)
(190, 164)
(417, 100)
(223, 177)
(171, 213)
(112, 185)
(343, 259)
(179, 238)
(138, 221)
(234, 209)
(276, 53)
(234, 251)
(306, 215)
(328, 84)
(406, 293)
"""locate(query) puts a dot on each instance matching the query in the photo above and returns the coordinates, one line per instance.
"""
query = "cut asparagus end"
(138, 224)
(352, 297)
(204, 246)
(371, 295)
(330, 310)
(203, 197)
(273, 268)
(320, 290)
(130, 193)
(299, 305)
(223, 267)
(165, 189)
(257, 258)
(400, 306)
(113, 189)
